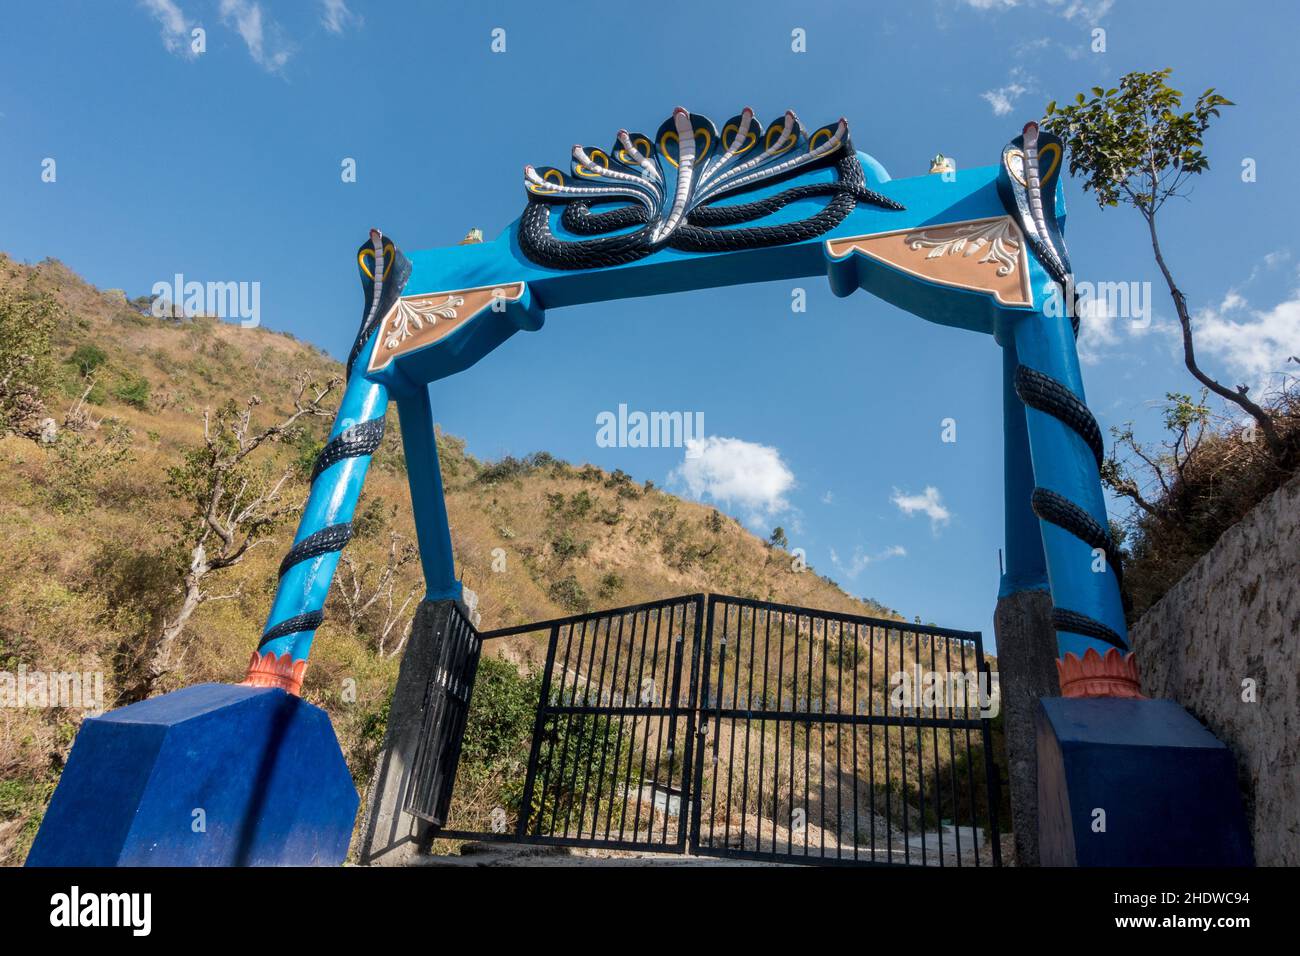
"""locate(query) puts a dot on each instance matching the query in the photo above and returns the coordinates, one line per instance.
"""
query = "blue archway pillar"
(428, 500)
(1025, 567)
(1047, 448)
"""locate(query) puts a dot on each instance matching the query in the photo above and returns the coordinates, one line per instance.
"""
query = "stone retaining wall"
(1225, 643)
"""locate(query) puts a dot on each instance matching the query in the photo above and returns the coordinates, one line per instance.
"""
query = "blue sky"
(225, 165)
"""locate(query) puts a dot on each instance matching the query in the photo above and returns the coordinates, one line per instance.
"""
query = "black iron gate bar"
(579, 702)
(756, 710)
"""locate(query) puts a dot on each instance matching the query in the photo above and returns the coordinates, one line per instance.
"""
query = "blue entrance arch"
(697, 206)
(691, 207)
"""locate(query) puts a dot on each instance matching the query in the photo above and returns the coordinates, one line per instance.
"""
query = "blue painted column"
(1067, 495)
(428, 501)
(1025, 567)
(307, 572)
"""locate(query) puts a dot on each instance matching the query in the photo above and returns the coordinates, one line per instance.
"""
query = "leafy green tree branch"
(1134, 145)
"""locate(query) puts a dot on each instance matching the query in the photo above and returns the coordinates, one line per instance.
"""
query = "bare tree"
(236, 500)
(1187, 420)
(371, 592)
(78, 417)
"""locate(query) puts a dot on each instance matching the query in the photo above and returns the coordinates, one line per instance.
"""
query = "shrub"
(307, 449)
(568, 593)
(87, 358)
(134, 390)
(580, 504)
(498, 739)
(610, 584)
(499, 727)
(26, 324)
(565, 546)
(508, 468)
(82, 462)
(371, 518)
(451, 455)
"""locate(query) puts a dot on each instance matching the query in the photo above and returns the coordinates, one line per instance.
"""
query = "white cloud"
(1107, 309)
(335, 15)
(736, 473)
(856, 564)
(175, 25)
(1255, 344)
(1003, 99)
(260, 34)
(1089, 10)
(1033, 46)
(1269, 262)
(929, 502)
(1096, 329)
(1275, 258)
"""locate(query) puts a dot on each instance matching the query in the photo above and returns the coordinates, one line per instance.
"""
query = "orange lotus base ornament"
(1114, 675)
(267, 670)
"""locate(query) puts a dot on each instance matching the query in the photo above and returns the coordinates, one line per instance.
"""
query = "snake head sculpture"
(1031, 169)
(665, 190)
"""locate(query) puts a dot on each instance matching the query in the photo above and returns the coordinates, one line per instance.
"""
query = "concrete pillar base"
(1127, 782)
(1026, 673)
(209, 775)
(390, 836)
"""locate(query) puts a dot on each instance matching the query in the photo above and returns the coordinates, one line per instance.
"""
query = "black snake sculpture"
(667, 189)
(1032, 163)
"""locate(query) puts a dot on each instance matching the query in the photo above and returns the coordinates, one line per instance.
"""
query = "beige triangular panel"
(415, 321)
(983, 255)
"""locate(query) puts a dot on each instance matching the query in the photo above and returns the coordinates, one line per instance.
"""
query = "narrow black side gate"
(446, 708)
(751, 730)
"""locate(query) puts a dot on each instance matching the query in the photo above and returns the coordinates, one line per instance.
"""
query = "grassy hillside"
(91, 554)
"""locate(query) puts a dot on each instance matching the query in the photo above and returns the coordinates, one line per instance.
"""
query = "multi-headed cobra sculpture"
(671, 190)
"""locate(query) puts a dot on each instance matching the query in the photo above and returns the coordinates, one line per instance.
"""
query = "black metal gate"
(834, 738)
(757, 730)
(611, 752)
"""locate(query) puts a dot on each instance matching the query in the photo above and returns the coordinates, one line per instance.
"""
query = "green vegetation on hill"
(101, 408)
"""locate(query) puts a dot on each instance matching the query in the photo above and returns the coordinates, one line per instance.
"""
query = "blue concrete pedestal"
(1166, 788)
(212, 775)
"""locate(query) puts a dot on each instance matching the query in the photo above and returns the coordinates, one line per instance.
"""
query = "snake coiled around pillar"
(353, 442)
(1042, 392)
